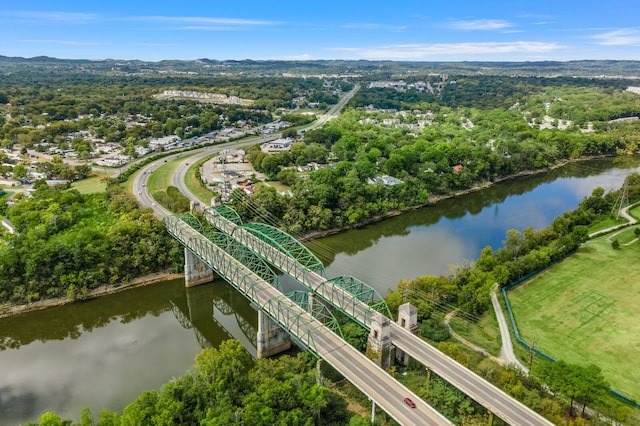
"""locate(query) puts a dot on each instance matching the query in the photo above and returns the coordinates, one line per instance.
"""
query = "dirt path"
(507, 356)
(447, 320)
(624, 213)
(506, 351)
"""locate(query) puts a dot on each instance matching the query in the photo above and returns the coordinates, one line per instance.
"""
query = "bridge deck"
(491, 397)
(374, 382)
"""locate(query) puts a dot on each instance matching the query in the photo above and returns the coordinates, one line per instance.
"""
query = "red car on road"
(410, 403)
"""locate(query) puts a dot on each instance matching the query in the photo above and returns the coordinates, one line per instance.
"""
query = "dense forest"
(68, 243)
(435, 150)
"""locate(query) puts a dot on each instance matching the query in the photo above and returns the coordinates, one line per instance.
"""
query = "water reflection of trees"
(204, 310)
(354, 241)
(72, 320)
(193, 309)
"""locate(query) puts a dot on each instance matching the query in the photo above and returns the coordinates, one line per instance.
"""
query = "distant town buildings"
(385, 180)
(216, 98)
(277, 145)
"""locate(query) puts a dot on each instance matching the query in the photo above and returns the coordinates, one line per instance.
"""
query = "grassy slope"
(484, 333)
(584, 310)
(161, 176)
(193, 184)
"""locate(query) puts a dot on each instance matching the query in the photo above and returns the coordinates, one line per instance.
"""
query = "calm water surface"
(103, 353)
(431, 240)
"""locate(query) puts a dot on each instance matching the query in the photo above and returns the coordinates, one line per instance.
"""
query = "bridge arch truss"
(286, 244)
(361, 291)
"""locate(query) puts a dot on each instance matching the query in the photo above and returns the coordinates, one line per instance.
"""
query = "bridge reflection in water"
(217, 312)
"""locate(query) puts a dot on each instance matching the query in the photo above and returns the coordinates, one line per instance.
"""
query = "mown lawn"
(160, 177)
(193, 183)
(606, 223)
(90, 185)
(635, 211)
(585, 310)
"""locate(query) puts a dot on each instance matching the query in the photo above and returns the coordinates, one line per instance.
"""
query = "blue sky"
(427, 30)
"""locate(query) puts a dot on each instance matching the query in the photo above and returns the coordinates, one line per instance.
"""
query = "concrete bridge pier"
(407, 319)
(272, 339)
(379, 347)
(195, 272)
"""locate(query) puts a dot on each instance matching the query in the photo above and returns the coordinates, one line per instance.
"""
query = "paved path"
(624, 213)
(507, 356)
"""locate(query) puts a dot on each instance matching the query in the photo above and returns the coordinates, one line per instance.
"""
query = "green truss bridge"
(280, 315)
(360, 302)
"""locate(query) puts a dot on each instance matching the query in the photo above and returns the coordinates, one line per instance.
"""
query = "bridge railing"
(278, 258)
(334, 292)
(270, 300)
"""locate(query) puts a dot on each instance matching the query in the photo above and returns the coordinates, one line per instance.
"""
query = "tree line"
(68, 243)
(435, 150)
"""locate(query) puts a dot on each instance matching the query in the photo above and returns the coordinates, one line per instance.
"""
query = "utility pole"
(623, 199)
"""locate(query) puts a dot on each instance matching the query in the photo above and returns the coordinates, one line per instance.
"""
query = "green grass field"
(484, 333)
(161, 176)
(585, 310)
(90, 185)
(606, 223)
(194, 185)
(635, 211)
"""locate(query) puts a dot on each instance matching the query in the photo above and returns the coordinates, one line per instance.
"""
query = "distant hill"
(589, 68)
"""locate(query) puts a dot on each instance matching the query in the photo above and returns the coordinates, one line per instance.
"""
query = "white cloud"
(206, 28)
(619, 37)
(202, 20)
(429, 51)
(45, 17)
(479, 24)
(300, 57)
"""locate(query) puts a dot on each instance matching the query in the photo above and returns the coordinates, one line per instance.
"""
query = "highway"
(486, 394)
(372, 380)
(192, 156)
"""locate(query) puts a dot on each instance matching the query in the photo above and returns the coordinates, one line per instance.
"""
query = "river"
(105, 352)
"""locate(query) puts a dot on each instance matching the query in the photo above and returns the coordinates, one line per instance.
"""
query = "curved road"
(140, 181)
(482, 391)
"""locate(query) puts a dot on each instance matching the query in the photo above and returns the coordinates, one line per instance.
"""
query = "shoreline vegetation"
(433, 200)
(11, 310)
(103, 290)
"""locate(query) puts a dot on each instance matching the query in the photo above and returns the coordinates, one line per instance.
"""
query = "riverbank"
(11, 310)
(433, 200)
